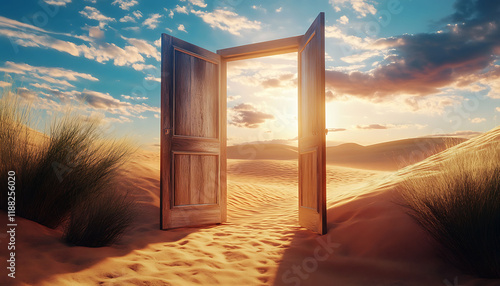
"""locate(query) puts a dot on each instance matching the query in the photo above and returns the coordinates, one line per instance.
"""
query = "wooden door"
(312, 164)
(193, 136)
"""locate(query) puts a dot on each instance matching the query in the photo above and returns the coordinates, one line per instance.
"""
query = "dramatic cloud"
(362, 7)
(125, 4)
(247, 116)
(152, 22)
(94, 14)
(227, 21)
(422, 64)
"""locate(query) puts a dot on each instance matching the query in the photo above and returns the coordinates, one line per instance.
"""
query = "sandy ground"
(370, 240)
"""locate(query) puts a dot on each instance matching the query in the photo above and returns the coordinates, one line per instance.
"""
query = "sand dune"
(388, 156)
(370, 240)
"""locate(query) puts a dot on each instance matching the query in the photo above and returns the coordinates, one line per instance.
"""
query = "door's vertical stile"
(223, 139)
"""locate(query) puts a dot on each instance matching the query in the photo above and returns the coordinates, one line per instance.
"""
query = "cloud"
(127, 18)
(227, 21)
(199, 3)
(145, 48)
(259, 8)
(134, 98)
(152, 21)
(497, 109)
(247, 116)
(26, 93)
(336, 129)
(343, 20)
(477, 120)
(279, 9)
(362, 7)
(53, 75)
(372, 126)
(152, 78)
(94, 14)
(125, 4)
(422, 64)
(158, 43)
(95, 32)
(182, 10)
(182, 28)
(137, 14)
(57, 2)
(389, 126)
(236, 97)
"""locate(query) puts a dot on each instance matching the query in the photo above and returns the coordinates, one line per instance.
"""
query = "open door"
(312, 147)
(193, 136)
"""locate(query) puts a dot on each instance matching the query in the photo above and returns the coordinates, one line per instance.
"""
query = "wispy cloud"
(361, 7)
(94, 14)
(125, 4)
(153, 21)
(53, 75)
(477, 120)
(57, 2)
(181, 28)
(199, 3)
(227, 21)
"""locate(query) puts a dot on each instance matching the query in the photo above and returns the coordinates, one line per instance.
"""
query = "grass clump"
(100, 221)
(459, 205)
(57, 174)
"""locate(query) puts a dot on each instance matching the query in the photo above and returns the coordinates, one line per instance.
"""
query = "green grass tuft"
(459, 205)
(59, 173)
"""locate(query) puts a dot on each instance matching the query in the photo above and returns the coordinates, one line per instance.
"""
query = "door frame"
(250, 51)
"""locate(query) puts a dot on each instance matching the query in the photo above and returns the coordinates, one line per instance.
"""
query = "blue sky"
(394, 69)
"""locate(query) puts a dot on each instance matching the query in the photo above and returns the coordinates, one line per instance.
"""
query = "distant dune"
(386, 156)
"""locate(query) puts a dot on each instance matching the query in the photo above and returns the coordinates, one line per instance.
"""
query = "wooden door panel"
(312, 145)
(193, 181)
(197, 84)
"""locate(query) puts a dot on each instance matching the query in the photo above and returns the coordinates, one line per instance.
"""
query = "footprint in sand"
(232, 256)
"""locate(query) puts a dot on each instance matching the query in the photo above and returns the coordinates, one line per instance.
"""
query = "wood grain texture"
(312, 141)
(191, 153)
(269, 48)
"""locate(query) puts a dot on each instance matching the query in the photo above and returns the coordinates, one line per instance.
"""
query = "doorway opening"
(194, 131)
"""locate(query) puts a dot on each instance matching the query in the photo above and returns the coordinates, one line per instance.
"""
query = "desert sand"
(370, 241)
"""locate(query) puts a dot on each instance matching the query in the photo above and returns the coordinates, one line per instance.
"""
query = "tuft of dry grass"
(459, 206)
(99, 221)
(75, 165)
